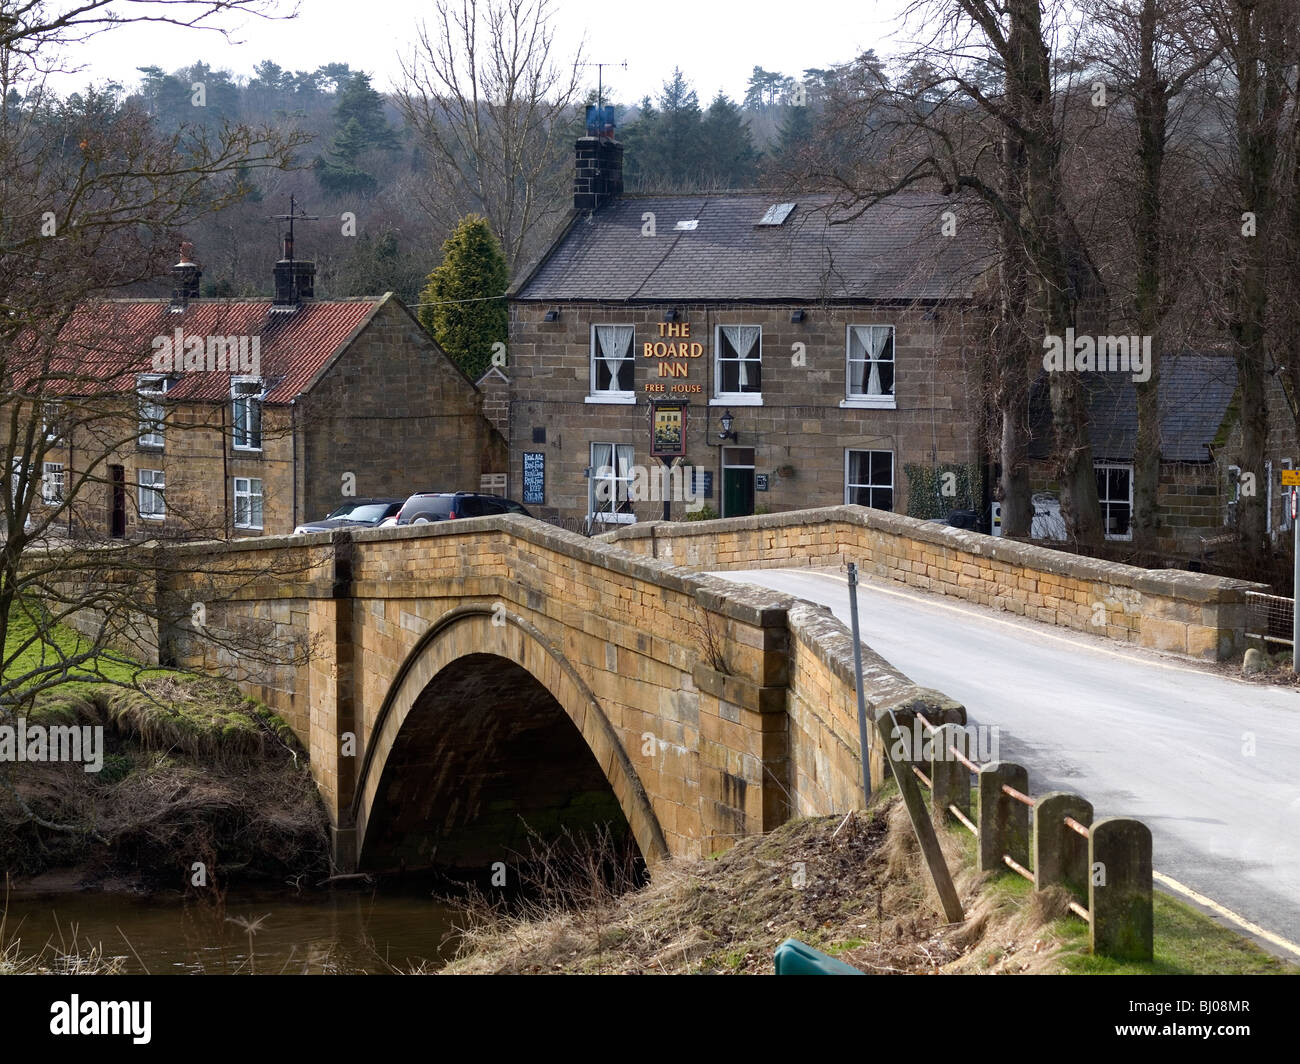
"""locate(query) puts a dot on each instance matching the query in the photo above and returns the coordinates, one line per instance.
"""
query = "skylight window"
(687, 224)
(776, 214)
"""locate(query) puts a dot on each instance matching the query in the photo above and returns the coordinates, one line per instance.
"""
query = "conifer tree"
(466, 312)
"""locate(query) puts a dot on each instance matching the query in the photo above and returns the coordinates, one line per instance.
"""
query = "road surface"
(1209, 762)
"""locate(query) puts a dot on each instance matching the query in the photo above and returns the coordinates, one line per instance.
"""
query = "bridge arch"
(496, 647)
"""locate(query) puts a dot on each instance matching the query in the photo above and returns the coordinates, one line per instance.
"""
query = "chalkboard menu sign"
(534, 478)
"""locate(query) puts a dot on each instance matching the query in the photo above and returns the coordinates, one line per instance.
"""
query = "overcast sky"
(715, 42)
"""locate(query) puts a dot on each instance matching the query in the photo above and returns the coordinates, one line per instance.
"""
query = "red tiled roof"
(106, 344)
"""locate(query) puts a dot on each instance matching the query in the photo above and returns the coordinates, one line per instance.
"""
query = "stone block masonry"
(1191, 614)
(712, 711)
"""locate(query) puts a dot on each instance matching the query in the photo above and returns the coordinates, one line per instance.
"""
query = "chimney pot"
(185, 278)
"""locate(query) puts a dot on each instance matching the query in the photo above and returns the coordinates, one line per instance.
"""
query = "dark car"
(427, 506)
(356, 513)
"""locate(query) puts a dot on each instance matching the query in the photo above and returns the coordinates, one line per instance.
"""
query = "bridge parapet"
(1193, 614)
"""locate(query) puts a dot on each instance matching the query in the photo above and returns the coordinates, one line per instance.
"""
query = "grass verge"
(853, 887)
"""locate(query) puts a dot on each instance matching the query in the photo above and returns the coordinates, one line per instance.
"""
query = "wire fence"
(1269, 617)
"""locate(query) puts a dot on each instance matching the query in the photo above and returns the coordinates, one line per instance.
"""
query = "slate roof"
(1195, 391)
(894, 251)
(105, 344)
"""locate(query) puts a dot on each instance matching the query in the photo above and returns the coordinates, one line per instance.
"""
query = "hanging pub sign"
(667, 429)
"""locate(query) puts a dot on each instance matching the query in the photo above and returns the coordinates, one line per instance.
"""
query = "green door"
(738, 489)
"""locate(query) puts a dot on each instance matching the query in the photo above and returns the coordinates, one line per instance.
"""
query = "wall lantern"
(552, 315)
(670, 315)
(727, 420)
(798, 316)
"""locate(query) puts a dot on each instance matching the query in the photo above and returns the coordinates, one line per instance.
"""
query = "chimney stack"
(295, 279)
(185, 278)
(598, 177)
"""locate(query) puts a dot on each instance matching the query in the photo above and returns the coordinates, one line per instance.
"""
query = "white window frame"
(154, 387)
(1105, 501)
(236, 398)
(52, 483)
(721, 398)
(610, 516)
(249, 494)
(156, 487)
(613, 397)
(868, 400)
(893, 476)
(51, 416)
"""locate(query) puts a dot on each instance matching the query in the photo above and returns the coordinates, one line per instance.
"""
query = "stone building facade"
(817, 358)
(1201, 475)
(803, 445)
(328, 400)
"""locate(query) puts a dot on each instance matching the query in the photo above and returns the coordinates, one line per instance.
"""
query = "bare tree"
(493, 105)
(92, 200)
(982, 114)
(1150, 53)
(1260, 46)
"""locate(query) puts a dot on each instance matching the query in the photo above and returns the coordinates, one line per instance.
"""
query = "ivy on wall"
(935, 491)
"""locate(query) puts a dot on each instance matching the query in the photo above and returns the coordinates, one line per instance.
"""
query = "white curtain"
(871, 341)
(624, 472)
(602, 468)
(743, 339)
(615, 343)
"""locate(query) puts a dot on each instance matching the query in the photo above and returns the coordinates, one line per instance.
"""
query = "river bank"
(200, 845)
(198, 788)
(852, 886)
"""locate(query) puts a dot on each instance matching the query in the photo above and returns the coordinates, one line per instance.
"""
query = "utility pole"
(1295, 585)
(857, 676)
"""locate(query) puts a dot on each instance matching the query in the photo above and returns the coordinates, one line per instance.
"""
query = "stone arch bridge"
(458, 679)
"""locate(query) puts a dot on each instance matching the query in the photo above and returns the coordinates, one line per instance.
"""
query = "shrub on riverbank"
(853, 887)
(192, 772)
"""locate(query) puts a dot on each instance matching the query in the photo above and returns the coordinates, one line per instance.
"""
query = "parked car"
(356, 513)
(426, 506)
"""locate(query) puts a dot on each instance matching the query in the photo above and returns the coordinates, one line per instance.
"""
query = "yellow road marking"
(1226, 913)
(1159, 877)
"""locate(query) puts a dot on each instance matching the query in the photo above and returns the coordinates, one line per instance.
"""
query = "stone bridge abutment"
(456, 680)
(453, 681)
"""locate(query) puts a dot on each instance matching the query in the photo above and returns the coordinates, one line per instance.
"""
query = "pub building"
(781, 354)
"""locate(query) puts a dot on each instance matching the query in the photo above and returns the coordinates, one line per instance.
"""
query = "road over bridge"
(1208, 761)
(457, 680)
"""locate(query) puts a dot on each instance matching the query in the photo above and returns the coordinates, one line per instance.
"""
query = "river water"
(338, 932)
